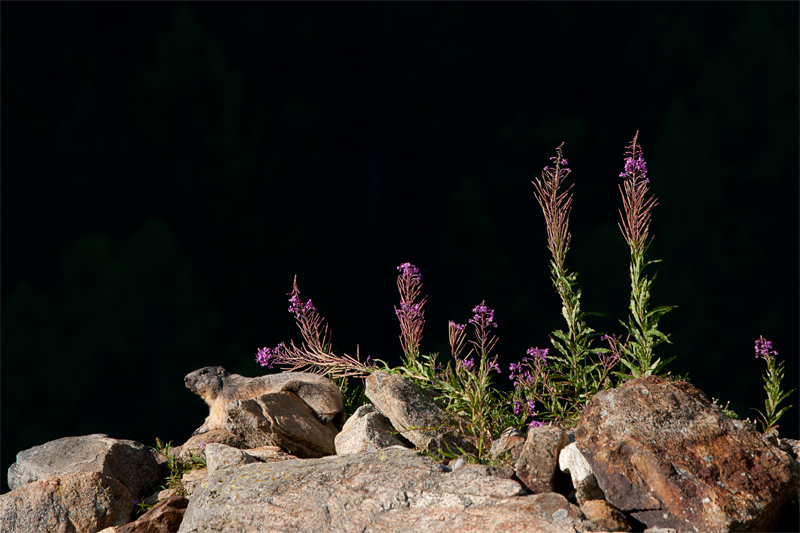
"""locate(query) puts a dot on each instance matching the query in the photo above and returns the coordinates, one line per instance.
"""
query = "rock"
(220, 455)
(196, 444)
(129, 461)
(391, 490)
(367, 431)
(469, 470)
(165, 517)
(572, 462)
(537, 466)
(85, 502)
(605, 515)
(281, 419)
(191, 479)
(511, 441)
(412, 412)
(269, 454)
(662, 451)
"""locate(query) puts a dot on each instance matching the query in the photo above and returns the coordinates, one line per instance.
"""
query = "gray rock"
(129, 461)
(391, 490)
(197, 443)
(191, 479)
(220, 455)
(81, 503)
(269, 454)
(537, 466)
(412, 412)
(660, 450)
(367, 431)
(281, 419)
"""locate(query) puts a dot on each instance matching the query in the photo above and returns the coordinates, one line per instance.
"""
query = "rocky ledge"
(652, 455)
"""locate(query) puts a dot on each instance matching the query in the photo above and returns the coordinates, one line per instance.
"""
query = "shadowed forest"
(168, 168)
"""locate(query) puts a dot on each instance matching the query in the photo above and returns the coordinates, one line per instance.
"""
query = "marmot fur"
(218, 387)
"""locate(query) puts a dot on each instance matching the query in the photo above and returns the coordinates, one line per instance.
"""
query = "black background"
(168, 168)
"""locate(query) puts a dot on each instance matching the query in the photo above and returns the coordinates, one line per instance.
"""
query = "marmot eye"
(203, 372)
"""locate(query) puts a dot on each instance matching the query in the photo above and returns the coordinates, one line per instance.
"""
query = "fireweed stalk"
(410, 313)
(573, 376)
(468, 386)
(417, 367)
(772, 386)
(642, 324)
(315, 353)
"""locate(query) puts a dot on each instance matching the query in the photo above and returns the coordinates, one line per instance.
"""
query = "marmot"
(218, 387)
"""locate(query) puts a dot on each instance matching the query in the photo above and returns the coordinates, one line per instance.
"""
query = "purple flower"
(407, 269)
(635, 165)
(539, 355)
(494, 366)
(268, 357)
(531, 407)
(468, 364)
(764, 348)
(517, 407)
(537, 424)
(484, 316)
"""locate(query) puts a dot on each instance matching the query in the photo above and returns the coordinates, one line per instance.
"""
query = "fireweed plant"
(315, 353)
(548, 387)
(772, 386)
(419, 368)
(560, 383)
(464, 388)
(637, 352)
(467, 385)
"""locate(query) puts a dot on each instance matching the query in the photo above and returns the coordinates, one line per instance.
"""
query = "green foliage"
(772, 386)
(353, 395)
(178, 468)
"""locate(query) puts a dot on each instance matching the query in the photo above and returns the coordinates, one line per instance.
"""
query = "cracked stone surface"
(661, 451)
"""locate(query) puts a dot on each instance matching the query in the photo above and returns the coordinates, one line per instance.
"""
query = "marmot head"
(207, 382)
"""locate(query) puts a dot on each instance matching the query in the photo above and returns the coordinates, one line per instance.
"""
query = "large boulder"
(73, 503)
(661, 451)
(391, 490)
(413, 413)
(367, 431)
(129, 461)
(281, 419)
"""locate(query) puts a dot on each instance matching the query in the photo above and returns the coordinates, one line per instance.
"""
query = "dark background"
(168, 168)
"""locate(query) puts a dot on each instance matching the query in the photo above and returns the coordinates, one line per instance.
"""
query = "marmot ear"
(221, 372)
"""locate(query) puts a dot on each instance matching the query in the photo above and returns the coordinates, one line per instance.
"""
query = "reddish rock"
(662, 451)
(537, 466)
(605, 515)
(164, 517)
(511, 441)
